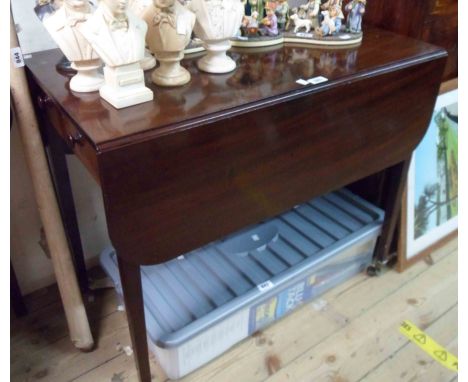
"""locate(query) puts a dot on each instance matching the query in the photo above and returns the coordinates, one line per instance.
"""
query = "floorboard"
(348, 334)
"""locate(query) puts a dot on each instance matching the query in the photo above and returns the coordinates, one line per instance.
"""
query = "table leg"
(60, 177)
(396, 180)
(16, 298)
(130, 278)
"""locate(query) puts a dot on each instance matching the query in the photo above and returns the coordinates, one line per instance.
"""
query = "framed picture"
(429, 216)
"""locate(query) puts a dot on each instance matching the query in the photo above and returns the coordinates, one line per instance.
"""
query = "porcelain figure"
(356, 9)
(282, 12)
(313, 10)
(270, 23)
(333, 18)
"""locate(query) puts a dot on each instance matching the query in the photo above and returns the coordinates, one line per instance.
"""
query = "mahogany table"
(225, 151)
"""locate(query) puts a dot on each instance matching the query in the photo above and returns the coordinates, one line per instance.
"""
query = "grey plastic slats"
(159, 325)
(173, 300)
(319, 237)
(322, 221)
(211, 274)
(341, 201)
(284, 248)
(269, 261)
(248, 267)
(210, 285)
(296, 239)
(191, 284)
(337, 215)
(195, 303)
(226, 272)
(156, 303)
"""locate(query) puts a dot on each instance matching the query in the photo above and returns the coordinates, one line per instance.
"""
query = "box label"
(273, 308)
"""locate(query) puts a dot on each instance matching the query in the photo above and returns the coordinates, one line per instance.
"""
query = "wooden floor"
(349, 334)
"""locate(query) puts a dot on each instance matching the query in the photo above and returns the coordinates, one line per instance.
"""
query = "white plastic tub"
(199, 305)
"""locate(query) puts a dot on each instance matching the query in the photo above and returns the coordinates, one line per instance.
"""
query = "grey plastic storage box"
(202, 303)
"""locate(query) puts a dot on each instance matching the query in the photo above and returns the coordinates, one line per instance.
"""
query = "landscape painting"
(432, 196)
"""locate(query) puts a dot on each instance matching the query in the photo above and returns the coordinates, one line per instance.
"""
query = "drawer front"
(73, 138)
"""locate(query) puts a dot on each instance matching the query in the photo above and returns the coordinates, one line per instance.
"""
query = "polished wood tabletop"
(262, 77)
(224, 151)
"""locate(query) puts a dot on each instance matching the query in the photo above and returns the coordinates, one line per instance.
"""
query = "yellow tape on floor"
(427, 344)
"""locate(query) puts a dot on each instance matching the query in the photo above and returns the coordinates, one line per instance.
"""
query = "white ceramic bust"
(118, 37)
(64, 26)
(141, 8)
(217, 22)
(169, 32)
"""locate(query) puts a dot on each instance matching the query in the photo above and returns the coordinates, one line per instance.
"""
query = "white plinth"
(125, 86)
(87, 79)
(216, 60)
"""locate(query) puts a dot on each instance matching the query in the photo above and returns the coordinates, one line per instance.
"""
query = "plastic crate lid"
(190, 293)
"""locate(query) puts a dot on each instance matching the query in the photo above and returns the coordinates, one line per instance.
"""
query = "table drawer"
(71, 135)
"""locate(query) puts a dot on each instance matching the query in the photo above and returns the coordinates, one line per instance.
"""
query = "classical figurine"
(313, 9)
(168, 34)
(64, 27)
(141, 8)
(249, 26)
(118, 37)
(282, 12)
(328, 26)
(301, 23)
(217, 22)
(335, 14)
(356, 9)
(269, 25)
(256, 6)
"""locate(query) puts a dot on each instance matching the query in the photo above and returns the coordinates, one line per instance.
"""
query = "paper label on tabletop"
(317, 80)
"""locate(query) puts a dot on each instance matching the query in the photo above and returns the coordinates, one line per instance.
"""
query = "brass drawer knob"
(75, 138)
(43, 101)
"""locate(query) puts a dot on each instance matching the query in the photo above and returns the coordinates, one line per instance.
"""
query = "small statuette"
(169, 32)
(355, 9)
(217, 22)
(269, 24)
(118, 37)
(323, 24)
(332, 18)
(281, 12)
(64, 27)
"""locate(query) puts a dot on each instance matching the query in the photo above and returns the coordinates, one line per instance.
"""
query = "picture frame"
(429, 212)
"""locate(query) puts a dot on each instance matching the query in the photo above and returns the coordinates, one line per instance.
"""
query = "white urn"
(169, 29)
(217, 22)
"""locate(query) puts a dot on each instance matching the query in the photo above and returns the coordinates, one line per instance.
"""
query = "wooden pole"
(75, 312)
